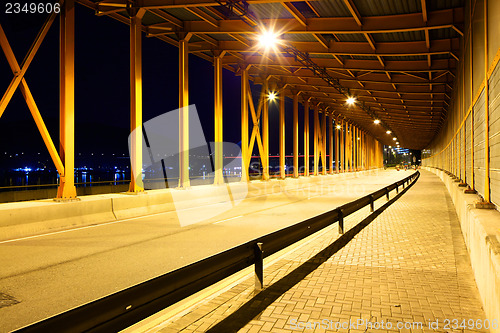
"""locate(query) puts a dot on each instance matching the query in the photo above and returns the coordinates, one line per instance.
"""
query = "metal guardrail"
(127, 307)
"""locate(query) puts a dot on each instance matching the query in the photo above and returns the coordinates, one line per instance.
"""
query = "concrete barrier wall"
(22, 219)
(480, 229)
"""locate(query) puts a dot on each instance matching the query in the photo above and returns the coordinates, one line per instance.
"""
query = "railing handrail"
(127, 307)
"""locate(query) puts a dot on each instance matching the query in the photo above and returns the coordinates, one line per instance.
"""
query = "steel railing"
(127, 307)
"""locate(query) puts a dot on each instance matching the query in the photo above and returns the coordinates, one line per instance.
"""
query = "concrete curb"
(480, 229)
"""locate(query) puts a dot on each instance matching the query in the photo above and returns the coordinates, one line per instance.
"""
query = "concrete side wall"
(481, 233)
(22, 219)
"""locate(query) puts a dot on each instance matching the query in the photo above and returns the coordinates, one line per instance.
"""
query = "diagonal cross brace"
(16, 69)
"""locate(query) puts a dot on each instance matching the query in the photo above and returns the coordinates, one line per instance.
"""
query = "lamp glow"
(268, 39)
(351, 100)
(339, 127)
(271, 96)
(376, 121)
(388, 132)
(394, 139)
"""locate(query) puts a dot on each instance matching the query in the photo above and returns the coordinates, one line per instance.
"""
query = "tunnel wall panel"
(479, 138)
(494, 135)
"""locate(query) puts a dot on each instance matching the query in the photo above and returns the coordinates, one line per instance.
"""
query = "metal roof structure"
(397, 57)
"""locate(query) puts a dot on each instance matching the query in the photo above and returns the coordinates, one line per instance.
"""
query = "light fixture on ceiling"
(388, 132)
(351, 100)
(271, 96)
(339, 127)
(268, 39)
(376, 121)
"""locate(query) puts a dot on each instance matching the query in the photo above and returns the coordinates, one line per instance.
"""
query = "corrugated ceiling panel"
(270, 11)
(443, 4)
(183, 14)
(407, 36)
(331, 8)
(351, 38)
(300, 37)
(387, 7)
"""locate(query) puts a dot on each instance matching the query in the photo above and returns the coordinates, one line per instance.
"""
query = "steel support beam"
(306, 137)
(265, 130)
(316, 136)
(337, 142)
(323, 144)
(136, 183)
(183, 112)
(19, 74)
(487, 193)
(330, 143)
(14, 65)
(66, 189)
(219, 166)
(295, 135)
(282, 132)
(245, 153)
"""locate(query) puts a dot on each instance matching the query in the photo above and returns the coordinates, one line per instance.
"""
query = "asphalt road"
(44, 275)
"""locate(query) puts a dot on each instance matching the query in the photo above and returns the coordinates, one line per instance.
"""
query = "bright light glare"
(376, 121)
(388, 132)
(271, 96)
(351, 101)
(394, 139)
(268, 39)
(339, 127)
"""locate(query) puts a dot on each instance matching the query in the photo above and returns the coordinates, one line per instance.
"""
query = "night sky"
(102, 100)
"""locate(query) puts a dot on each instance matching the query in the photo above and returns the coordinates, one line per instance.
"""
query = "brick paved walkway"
(408, 266)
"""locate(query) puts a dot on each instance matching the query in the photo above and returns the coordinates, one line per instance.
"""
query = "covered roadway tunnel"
(351, 81)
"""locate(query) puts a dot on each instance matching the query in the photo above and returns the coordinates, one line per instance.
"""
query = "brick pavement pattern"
(408, 266)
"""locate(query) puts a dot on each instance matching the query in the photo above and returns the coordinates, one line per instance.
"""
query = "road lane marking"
(229, 219)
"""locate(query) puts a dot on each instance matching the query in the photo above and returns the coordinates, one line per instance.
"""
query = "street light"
(271, 96)
(268, 39)
(351, 100)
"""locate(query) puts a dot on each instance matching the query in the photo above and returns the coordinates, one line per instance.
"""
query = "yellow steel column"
(295, 135)
(486, 110)
(330, 143)
(183, 112)
(337, 130)
(323, 145)
(245, 154)
(316, 135)
(306, 137)
(282, 132)
(342, 145)
(66, 189)
(471, 115)
(136, 184)
(265, 130)
(218, 163)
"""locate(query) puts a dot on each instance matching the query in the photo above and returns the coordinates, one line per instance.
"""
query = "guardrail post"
(259, 267)
(372, 208)
(387, 193)
(341, 222)
(397, 188)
